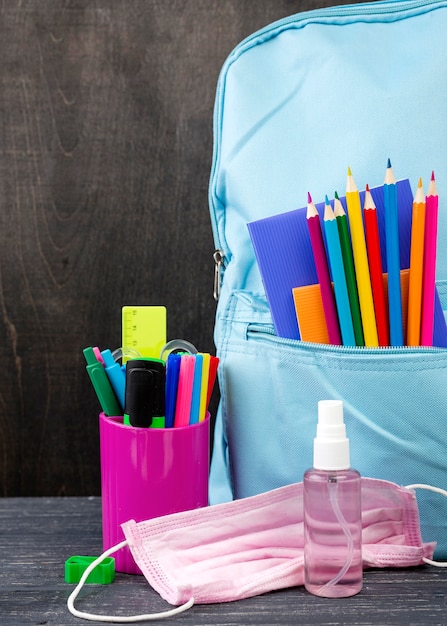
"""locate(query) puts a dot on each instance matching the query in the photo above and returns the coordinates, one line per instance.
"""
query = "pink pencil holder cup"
(149, 472)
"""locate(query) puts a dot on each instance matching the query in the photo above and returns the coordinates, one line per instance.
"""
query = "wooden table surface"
(37, 535)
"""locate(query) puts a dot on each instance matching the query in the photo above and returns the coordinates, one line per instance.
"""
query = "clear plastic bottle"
(332, 511)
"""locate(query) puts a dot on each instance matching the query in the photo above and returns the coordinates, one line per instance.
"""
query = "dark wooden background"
(106, 111)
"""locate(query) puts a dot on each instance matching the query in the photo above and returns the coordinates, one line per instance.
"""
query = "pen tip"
(367, 187)
(309, 198)
(326, 199)
(420, 182)
(349, 171)
(389, 163)
(433, 175)
(336, 196)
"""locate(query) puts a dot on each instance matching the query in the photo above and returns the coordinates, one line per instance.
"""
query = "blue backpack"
(297, 103)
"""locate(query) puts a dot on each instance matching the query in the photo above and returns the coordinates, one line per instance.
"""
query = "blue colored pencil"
(393, 257)
(336, 264)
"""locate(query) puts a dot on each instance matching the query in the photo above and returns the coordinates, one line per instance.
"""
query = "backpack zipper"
(266, 333)
(218, 266)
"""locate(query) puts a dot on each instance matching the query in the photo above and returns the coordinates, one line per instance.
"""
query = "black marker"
(145, 393)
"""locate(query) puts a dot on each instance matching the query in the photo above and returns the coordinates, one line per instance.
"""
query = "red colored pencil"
(375, 268)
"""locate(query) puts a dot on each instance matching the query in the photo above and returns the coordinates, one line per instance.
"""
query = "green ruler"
(144, 329)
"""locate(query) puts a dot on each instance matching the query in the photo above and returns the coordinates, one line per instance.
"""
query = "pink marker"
(98, 355)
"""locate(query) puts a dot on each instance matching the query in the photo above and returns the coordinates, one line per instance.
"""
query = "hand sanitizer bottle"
(332, 511)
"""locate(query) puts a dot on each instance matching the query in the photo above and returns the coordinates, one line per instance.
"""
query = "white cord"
(443, 492)
(116, 618)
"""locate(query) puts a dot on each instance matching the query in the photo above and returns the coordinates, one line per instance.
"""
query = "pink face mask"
(250, 546)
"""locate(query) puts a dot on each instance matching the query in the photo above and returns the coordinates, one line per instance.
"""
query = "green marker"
(348, 262)
(101, 384)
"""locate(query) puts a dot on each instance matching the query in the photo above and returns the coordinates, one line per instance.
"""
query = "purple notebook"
(284, 255)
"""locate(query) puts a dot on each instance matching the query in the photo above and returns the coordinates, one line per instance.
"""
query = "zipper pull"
(218, 262)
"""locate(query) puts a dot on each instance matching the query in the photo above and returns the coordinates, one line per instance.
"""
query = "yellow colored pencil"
(416, 268)
(361, 263)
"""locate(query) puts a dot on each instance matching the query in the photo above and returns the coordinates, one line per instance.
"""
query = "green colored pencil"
(349, 270)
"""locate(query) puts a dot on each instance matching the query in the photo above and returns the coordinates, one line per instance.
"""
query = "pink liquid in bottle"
(332, 511)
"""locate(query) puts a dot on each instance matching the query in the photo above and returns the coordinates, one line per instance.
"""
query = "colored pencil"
(361, 263)
(319, 253)
(375, 267)
(335, 258)
(348, 262)
(429, 277)
(416, 268)
(393, 257)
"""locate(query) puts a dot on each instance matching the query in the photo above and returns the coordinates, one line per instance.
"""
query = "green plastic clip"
(103, 574)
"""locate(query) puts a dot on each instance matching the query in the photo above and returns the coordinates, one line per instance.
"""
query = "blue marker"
(336, 264)
(116, 375)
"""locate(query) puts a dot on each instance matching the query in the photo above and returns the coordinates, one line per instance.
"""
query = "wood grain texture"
(106, 142)
(37, 535)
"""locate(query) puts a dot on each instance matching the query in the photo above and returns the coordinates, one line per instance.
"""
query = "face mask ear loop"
(117, 618)
(443, 492)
